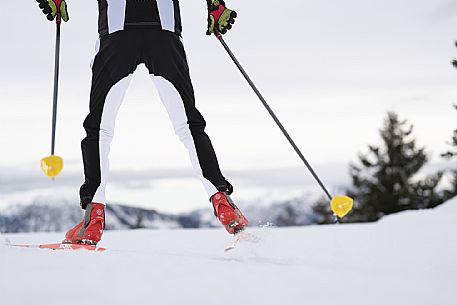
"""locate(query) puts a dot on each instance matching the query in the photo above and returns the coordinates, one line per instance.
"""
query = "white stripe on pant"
(110, 109)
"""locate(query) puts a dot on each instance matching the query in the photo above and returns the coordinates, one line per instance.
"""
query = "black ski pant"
(163, 54)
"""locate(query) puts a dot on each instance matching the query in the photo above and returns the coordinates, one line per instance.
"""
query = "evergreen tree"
(452, 155)
(383, 181)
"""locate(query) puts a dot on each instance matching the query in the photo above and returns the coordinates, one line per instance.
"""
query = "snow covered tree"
(383, 181)
(451, 155)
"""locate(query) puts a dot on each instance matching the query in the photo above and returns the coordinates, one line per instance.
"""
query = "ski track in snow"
(408, 258)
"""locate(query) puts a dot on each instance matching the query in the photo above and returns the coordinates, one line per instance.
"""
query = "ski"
(61, 246)
(242, 236)
(236, 240)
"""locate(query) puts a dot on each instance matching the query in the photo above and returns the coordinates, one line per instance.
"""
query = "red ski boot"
(90, 229)
(228, 213)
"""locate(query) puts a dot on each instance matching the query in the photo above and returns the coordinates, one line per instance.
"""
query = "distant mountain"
(38, 216)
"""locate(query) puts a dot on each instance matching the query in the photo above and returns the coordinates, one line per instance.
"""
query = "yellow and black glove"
(53, 7)
(220, 18)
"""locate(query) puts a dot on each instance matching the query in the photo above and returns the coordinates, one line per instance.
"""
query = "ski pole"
(56, 84)
(340, 204)
(53, 164)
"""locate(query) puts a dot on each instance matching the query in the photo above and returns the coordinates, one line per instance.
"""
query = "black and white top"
(116, 15)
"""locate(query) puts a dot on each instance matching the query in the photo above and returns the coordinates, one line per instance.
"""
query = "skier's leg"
(112, 71)
(168, 67)
(192, 135)
(116, 60)
(169, 70)
(99, 126)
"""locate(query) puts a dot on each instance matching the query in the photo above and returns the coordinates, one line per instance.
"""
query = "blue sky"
(330, 69)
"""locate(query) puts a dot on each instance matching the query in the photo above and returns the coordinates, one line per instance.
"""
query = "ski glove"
(220, 18)
(53, 7)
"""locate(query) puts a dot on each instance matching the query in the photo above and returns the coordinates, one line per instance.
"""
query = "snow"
(408, 258)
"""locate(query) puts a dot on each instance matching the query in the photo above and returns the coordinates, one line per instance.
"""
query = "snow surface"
(408, 258)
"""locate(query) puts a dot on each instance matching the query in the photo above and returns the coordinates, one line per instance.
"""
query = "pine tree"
(452, 155)
(383, 181)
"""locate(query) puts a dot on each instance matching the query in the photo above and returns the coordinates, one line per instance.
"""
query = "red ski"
(62, 246)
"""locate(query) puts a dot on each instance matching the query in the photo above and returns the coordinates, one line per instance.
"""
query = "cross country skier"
(134, 32)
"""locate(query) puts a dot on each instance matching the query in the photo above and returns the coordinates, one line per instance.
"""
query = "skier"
(134, 32)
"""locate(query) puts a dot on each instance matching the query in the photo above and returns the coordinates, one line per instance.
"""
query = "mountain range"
(44, 216)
